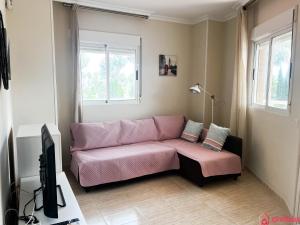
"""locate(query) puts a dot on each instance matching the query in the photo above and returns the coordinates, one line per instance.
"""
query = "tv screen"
(48, 174)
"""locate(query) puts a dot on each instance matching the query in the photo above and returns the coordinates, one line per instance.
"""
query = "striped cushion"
(192, 131)
(216, 137)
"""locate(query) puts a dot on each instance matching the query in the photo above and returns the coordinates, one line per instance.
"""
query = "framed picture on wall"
(167, 65)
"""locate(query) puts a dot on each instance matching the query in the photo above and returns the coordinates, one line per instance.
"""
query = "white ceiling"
(182, 11)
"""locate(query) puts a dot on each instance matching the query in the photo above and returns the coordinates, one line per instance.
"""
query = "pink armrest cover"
(169, 127)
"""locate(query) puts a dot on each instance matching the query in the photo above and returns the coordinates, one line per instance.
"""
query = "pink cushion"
(169, 127)
(95, 135)
(124, 162)
(212, 163)
(135, 131)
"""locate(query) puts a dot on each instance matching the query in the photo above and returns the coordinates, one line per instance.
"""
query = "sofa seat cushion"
(212, 163)
(111, 164)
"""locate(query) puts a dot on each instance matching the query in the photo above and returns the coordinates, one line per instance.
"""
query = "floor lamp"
(197, 89)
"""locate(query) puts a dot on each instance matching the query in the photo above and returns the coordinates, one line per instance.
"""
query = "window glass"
(122, 76)
(93, 75)
(261, 72)
(272, 71)
(280, 71)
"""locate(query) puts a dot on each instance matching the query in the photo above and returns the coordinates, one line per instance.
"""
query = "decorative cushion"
(216, 137)
(169, 127)
(192, 131)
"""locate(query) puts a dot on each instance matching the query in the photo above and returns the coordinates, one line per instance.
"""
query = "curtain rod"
(109, 11)
(248, 4)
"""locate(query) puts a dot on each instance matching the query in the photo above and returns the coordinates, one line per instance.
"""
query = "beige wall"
(213, 55)
(65, 79)
(273, 140)
(161, 95)
(5, 127)
(214, 76)
(198, 68)
(227, 71)
(33, 92)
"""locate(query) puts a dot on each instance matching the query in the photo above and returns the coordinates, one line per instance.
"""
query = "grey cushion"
(216, 137)
(192, 131)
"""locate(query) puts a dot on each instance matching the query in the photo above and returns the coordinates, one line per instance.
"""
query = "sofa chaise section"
(202, 165)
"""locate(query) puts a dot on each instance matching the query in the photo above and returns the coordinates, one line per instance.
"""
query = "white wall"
(33, 92)
(5, 127)
(273, 140)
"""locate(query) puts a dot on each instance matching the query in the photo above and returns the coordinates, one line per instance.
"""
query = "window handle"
(136, 75)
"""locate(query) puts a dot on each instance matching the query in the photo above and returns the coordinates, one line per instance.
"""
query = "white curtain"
(76, 71)
(238, 117)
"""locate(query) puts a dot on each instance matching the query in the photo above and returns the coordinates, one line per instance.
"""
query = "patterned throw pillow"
(192, 131)
(216, 137)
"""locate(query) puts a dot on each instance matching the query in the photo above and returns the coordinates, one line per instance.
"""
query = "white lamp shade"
(195, 89)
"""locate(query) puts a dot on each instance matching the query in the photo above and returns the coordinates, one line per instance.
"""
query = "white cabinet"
(29, 148)
(69, 212)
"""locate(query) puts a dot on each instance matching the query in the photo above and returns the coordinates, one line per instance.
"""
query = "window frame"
(270, 38)
(86, 46)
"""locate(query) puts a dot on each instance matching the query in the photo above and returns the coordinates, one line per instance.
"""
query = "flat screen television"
(48, 177)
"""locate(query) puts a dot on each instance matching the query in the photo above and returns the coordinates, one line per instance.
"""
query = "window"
(272, 65)
(109, 72)
(272, 70)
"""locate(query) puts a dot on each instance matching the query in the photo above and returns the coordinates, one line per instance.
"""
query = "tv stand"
(69, 212)
(36, 192)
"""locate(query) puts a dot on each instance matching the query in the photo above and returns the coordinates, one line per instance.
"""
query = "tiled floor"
(170, 199)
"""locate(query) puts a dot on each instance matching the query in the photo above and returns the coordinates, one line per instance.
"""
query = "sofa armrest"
(234, 144)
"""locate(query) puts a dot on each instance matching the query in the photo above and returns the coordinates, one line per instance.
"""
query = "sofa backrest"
(95, 135)
(88, 136)
(169, 127)
(135, 131)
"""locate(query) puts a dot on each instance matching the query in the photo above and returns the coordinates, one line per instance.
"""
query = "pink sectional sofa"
(121, 150)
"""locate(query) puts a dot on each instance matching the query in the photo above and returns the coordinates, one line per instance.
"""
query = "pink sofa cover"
(99, 166)
(88, 136)
(114, 151)
(212, 163)
(136, 131)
